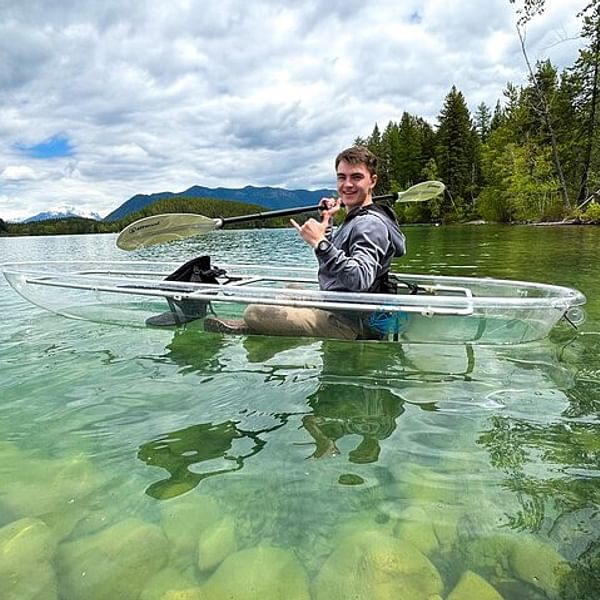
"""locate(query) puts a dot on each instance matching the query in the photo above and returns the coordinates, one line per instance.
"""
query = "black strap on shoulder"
(383, 284)
(378, 209)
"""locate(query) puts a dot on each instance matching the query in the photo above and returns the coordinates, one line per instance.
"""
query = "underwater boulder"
(183, 520)
(422, 485)
(415, 526)
(264, 572)
(372, 565)
(444, 520)
(216, 543)
(113, 563)
(27, 548)
(487, 553)
(471, 586)
(33, 486)
(167, 581)
(539, 564)
(194, 593)
(358, 522)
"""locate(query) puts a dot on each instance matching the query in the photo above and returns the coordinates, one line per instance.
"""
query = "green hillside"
(204, 206)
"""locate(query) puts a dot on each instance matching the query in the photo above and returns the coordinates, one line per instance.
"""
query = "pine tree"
(483, 121)
(498, 117)
(390, 150)
(457, 151)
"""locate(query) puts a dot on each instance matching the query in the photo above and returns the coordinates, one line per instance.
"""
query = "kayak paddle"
(169, 227)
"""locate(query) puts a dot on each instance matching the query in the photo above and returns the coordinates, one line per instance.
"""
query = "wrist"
(323, 246)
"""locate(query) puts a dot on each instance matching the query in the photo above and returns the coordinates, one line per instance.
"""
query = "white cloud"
(160, 96)
(18, 173)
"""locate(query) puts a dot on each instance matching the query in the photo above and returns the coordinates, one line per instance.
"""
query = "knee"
(255, 314)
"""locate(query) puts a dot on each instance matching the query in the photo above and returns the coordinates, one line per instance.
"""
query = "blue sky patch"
(54, 147)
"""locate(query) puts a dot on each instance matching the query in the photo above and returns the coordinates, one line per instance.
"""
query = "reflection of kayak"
(425, 309)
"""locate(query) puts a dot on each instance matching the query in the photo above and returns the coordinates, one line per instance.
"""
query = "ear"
(374, 180)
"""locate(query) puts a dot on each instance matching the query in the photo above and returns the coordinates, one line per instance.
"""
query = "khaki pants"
(306, 322)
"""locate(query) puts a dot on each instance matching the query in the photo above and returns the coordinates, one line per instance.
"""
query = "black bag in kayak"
(197, 270)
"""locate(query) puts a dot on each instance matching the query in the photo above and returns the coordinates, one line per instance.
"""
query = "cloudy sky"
(103, 99)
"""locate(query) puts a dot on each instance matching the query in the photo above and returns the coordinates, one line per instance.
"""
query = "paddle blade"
(169, 227)
(422, 191)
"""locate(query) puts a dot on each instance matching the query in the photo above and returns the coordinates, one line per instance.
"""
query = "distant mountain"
(268, 197)
(63, 213)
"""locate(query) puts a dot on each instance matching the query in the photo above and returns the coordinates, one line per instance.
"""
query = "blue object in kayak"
(388, 322)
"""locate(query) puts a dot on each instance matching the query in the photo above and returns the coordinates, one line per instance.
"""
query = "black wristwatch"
(323, 246)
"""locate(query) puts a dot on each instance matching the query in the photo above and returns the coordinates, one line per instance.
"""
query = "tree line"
(534, 157)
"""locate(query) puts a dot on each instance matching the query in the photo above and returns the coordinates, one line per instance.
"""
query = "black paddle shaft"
(286, 212)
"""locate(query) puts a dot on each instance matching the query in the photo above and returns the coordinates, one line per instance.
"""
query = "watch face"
(322, 245)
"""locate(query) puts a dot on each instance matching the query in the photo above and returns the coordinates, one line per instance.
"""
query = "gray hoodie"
(361, 252)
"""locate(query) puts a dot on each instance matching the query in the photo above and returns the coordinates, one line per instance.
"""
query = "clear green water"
(162, 465)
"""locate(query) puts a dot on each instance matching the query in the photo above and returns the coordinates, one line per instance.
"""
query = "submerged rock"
(33, 486)
(183, 520)
(194, 593)
(167, 581)
(471, 586)
(27, 550)
(539, 564)
(372, 565)
(114, 563)
(264, 572)
(487, 554)
(351, 526)
(420, 484)
(415, 526)
(216, 543)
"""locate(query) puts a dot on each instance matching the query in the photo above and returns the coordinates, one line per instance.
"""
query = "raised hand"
(313, 231)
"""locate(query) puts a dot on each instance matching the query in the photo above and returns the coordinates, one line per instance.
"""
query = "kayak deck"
(425, 309)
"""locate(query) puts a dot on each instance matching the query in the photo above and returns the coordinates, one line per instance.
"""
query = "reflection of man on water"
(340, 407)
(340, 410)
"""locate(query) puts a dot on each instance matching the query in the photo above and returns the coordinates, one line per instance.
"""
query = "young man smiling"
(355, 258)
(358, 256)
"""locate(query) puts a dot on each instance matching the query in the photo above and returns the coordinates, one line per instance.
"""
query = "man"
(356, 258)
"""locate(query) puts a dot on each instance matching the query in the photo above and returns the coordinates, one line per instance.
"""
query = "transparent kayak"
(426, 309)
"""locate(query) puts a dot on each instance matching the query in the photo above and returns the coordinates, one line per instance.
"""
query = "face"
(355, 185)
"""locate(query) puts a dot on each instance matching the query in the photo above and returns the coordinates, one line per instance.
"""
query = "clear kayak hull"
(426, 309)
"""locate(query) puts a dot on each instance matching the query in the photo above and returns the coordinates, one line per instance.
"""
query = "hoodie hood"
(388, 216)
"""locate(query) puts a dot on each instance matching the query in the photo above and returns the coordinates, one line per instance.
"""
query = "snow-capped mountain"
(63, 212)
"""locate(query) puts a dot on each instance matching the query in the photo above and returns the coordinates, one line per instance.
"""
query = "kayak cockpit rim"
(440, 294)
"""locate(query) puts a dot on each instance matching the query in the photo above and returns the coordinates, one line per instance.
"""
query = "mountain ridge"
(270, 198)
(62, 213)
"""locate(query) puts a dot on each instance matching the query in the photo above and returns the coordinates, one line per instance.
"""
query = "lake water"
(164, 465)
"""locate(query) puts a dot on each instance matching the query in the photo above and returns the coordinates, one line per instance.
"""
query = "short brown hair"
(357, 155)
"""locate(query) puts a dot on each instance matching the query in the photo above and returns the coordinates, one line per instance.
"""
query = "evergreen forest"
(533, 157)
